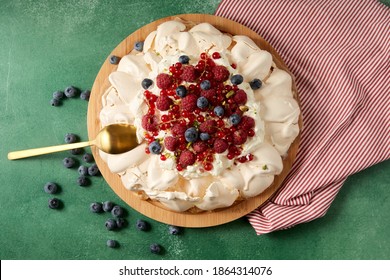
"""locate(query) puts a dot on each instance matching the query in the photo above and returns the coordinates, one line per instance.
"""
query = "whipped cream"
(272, 106)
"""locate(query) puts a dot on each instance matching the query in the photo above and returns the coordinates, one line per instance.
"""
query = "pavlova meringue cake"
(214, 115)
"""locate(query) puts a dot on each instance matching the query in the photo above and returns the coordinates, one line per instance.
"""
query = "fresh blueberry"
(146, 83)
(235, 119)
(204, 136)
(202, 102)
(205, 85)
(191, 134)
(255, 84)
(84, 95)
(174, 230)
(110, 224)
(219, 111)
(58, 95)
(114, 59)
(87, 157)
(71, 91)
(236, 79)
(68, 162)
(121, 223)
(155, 248)
(155, 147)
(93, 170)
(142, 225)
(70, 138)
(83, 181)
(117, 211)
(184, 59)
(51, 188)
(55, 102)
(107, 206)
(112, 243)
(181, 91)
(139, 46)
(96, 207)
(54, 203)
(76, 151)
(83, 170)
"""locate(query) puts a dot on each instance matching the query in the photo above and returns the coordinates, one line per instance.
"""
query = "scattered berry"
(93, 170)
(70, 138)
(220, 146)
(121, 223)
(255, 84)
(189, 74)
(191, 134)
(205, 85)
(110, 224)
(188, 103)
(220, 73)
(71, 91)
(187, 158)
(139, 46)
(181, 91)
(163, 81)
(209, 126)
(174, 230)
(149, 122)
(107, 206)
(114, 59)
(87, 157)
(240, 97)
(58, 95)
(163, 103)
(219, 111)
(142, 225)
(239, 137)
(55, 102)
(246, 123)
(85, 94)
(146, 83)
(54, 203)
(202, 102)
(117, 211)
(68, 162)
(83, 181)
(184, 59)
(236, 79)
(211, 96)
(83, 170)
(155, 248)
(50, 188)
(216, 55)
(112, 243)
(204, 136)
(155, 148)
(76, 151)
(96, 207)
(235, 119)
(171, 143)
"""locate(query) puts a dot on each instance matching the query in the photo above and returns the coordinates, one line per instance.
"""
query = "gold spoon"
(112, 139)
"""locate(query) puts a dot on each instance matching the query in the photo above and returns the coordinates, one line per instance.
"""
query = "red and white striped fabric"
(338, 52)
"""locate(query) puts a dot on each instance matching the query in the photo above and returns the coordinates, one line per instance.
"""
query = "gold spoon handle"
(48, 150)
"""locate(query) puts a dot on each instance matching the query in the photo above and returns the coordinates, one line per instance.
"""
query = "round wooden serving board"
(154, 209)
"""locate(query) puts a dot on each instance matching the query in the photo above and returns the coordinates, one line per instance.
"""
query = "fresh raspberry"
(211, 96)
(187, 158)
(164, 81)
(239, 137)
(246, 123)
(171, 143)
(189, 74)
(209, 126)
(220, 146)
(163, 103)
(178, 130)
(220, 72)
(240, 97)
(149, 122)
(199, 146)
(188, 103)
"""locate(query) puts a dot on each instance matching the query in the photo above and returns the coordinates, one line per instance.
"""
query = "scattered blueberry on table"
(155, 248)
(107, 206)
(83, 181)
(85, 94)
(68, 162)
(83, 170)
(174, 230)
(114, 59)
(96, 207)
(142, 225)
(54, 203)
(112, 243)
(87, 157)
(110, 224)
(50, 188)
(70, 138)
(71, 91)
(139, 46)
(117, 211)
(93, 170)
(55, 102)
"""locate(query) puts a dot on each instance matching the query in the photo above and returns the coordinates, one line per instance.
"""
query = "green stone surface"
(48, 45)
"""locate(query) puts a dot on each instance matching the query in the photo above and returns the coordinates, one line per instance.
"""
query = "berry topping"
(236, 79)
(187, 158)
(149, 122)
(184, 59)
(220, 146)
(204, 136)
(171, 143)
(163, 103)
(50, 188)
(205, 85)
(200, 146)
(239, 137)
(240, 97)
(139, 46)
(220, 73)
(146, 83)
(219, 111)
(255, 84)
(181, 91)
(96, 207)
(189, 74)
(114, 59)
(246, 123)
(235, 119)
(211, 96)
(209, 126)
(163, 81)
(178, 130)
(188, 103)
(155, 148)
(202, 102)
(191, 134)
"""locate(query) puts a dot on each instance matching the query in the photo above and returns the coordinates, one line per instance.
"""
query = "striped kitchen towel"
(338, 52)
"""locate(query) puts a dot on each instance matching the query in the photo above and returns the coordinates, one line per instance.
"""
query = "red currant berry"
(200, 118)
(210, 158)
(151, 111)
(250, 157)
(163, 157)
(175, 108)
(229, 138)
(203, 55)
(197, 111)
(251, 133)
(182, 139)
(147, 150)
(179, 167)
(216, 55)
(234, 66)
(178, 65)
(210, 63)
(220, 123)
(165, 118)
(208, 166)
(172, 69)
(220, 134)
(230, 156)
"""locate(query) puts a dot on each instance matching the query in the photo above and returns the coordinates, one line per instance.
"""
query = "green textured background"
(48, 45)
